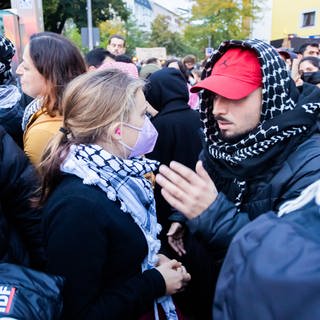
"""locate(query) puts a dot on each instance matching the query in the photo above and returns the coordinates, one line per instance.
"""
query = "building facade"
(145, 11)
(142, 12)
(174, 20)
(295, 18)
(279, 21)
(261, 27)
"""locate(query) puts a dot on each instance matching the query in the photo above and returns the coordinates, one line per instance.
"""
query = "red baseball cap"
(234, 76)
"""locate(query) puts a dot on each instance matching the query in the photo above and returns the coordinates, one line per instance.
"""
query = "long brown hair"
(91, 104)
(59, 61)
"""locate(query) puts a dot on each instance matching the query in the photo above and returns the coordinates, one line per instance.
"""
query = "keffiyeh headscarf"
(33, 107)
(123, 180)
(7, 51)
(287, 118)
(9, 96)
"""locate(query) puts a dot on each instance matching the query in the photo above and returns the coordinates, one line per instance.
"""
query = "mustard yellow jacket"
(40, 129)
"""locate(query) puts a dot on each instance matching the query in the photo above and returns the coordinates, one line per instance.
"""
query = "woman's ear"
(116, 131)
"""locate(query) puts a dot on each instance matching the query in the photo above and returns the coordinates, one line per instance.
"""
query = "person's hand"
(175, 238)
(295, 75)
(162, 259)
(187, 191)
(175, 276)
(298, 81)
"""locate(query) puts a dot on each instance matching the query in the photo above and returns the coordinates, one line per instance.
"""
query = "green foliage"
(135, 37)
(217, 19)
(197, 38)
(161, 36)
(220, 20)
(56, 12)
(109, 27)
(73, 34)
(129, 29)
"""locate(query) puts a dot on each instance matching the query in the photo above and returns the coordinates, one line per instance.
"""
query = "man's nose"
(220, 106)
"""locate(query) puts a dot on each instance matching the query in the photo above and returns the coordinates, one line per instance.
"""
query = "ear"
(116, 131)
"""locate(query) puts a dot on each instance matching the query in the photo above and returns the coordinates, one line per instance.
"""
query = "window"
(308, 19)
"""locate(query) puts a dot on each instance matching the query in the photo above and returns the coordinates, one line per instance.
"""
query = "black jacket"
(99, 250)
(273, 163)
(11, 117)
(20, 224)
(221, 221)
(178, 127)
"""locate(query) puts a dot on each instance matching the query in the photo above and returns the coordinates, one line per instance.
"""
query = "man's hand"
(175, 238)
(187, 191)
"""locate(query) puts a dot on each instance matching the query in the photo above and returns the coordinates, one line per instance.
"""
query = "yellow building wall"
(287, 17)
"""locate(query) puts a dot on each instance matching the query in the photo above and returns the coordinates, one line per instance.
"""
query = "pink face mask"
(146, 141)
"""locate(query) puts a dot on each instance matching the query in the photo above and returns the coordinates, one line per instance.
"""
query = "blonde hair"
(91, 104)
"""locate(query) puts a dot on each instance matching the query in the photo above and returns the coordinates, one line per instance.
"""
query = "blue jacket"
(271, 270)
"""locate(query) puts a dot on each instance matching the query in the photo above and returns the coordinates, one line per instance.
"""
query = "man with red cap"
(262, 145)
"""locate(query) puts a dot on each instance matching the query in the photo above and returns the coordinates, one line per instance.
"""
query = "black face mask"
(311, 77)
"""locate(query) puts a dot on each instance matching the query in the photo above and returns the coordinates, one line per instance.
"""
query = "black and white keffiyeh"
(287, 118)
(123, 180)
(9, 96)
(33, 107)
(7, 51)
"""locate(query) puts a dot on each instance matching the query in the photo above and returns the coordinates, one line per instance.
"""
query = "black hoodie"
(168, 89)
(178, 127)
(179, 140)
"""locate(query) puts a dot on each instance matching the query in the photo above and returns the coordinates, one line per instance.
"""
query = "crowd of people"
(163, 190)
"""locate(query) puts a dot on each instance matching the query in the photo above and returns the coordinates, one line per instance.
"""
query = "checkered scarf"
(9, 96)
(33, 107)
(287, 118)
(123, 180)
(7, 51)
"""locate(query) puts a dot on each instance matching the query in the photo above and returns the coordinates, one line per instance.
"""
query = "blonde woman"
(99, 211)
(50, 61)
